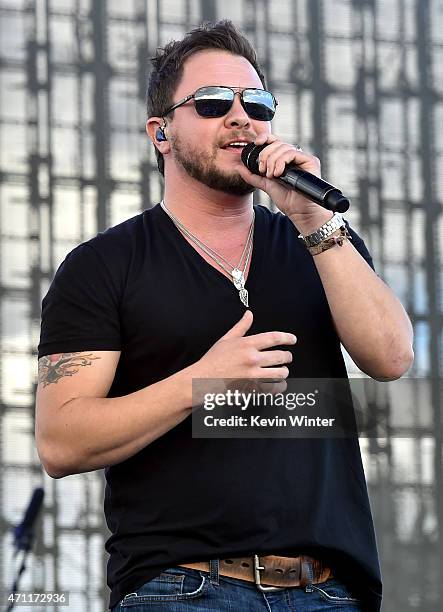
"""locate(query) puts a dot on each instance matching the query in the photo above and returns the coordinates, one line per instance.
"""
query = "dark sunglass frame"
(269, 111)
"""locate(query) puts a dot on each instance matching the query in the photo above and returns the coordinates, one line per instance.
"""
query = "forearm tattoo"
(52, 368)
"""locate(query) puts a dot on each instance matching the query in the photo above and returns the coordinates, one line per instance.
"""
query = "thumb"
(253, 179)
(241, 327)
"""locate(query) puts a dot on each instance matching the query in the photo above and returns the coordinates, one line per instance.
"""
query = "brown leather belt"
(276, 572)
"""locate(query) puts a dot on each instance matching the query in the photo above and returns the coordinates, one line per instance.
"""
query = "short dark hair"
(168, 64)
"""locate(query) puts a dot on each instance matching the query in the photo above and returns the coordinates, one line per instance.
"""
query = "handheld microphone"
(315, 188)
(23, 533)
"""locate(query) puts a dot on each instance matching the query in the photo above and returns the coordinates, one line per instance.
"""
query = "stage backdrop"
(359, 83)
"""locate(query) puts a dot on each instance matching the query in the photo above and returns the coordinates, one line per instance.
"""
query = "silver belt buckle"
(260, 587)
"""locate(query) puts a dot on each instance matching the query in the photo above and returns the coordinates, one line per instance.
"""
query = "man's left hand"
(304, 213)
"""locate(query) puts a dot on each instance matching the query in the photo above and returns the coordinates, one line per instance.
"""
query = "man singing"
(204, 285)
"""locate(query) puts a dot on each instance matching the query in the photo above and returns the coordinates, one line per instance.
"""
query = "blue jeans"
(181, 589)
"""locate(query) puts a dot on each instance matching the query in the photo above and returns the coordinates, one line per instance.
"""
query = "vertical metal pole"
(101, 72)
(208, 10)
(428, 156)
(318, 83)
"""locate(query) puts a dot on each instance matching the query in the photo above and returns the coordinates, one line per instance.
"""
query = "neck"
(201, 208)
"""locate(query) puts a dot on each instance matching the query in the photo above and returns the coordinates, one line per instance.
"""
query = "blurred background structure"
(360, 84)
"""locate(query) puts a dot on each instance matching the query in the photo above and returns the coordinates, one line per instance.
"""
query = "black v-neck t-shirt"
(142, 289)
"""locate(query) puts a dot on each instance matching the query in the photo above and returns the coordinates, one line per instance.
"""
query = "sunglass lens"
(259, 104)
(213, 101)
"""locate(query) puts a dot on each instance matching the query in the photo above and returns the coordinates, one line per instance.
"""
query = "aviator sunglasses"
(216, 101)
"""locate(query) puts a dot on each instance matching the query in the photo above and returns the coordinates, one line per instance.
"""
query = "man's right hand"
(235, 356)
(79, 428)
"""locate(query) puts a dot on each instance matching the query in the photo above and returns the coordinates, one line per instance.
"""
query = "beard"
(202, 167)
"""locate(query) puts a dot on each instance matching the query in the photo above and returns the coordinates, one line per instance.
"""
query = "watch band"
(330, 242)
(323, 232)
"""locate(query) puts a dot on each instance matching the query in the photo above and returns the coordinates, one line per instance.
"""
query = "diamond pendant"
(244, 297)
(238, 278)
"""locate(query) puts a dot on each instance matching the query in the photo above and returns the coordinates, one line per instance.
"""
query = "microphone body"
(315, 188)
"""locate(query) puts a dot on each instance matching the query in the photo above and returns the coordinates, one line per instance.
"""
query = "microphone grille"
(250, 155)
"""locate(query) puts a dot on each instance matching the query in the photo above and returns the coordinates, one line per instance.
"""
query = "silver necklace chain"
(236, 272)
(213, 254)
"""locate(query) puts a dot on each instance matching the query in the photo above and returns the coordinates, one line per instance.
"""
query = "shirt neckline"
(256, 255)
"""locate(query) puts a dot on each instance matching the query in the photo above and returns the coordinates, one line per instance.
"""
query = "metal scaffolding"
(359, 83)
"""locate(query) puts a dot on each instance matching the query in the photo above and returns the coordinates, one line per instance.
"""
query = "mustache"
(238, 136)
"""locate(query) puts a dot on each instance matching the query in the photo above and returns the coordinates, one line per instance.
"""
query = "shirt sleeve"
(80, 312)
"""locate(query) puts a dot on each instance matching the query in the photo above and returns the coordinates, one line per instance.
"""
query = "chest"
(178, 303)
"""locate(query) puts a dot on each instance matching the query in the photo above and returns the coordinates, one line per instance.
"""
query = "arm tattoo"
(52, 368)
